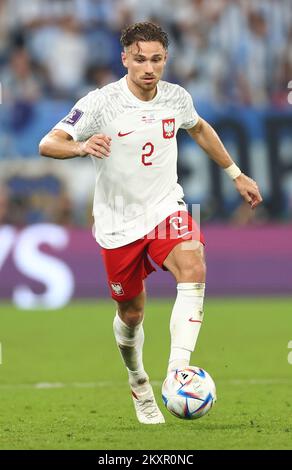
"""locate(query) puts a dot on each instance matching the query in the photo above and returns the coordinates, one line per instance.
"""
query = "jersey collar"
(134, 98)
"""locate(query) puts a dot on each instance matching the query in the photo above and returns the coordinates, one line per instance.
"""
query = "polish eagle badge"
(117, 288)
(168, 126)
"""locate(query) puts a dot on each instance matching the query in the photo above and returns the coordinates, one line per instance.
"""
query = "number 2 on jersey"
(150, 147)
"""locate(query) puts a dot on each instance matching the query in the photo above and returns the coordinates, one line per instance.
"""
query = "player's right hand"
(98, 145)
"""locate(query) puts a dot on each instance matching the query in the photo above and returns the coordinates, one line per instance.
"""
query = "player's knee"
(132, 317)
(192, 270)
(131, 313)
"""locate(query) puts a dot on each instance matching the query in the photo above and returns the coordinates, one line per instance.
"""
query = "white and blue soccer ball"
(189, 393)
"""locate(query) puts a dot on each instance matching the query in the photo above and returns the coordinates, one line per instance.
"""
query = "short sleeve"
(190, 116)
(83, 120)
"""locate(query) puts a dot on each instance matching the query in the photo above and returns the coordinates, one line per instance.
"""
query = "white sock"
(185, 323)
(130, 342)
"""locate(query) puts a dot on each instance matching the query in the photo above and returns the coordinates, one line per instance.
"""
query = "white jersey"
(136, 186)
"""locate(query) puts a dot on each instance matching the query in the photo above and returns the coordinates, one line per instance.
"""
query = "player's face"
(145, 62)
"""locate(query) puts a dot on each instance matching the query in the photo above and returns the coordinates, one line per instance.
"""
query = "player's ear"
(124, 59)
(166, 56)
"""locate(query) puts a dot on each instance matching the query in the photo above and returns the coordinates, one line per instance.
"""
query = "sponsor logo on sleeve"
(73, 117)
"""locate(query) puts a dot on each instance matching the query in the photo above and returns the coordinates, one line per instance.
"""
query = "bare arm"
(58, 144)
(209, 141)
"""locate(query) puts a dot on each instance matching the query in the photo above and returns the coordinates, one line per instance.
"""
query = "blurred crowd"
(52, 52)
(27, 200)
(221, 50)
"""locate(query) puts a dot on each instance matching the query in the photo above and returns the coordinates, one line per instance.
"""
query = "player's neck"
(143, 95)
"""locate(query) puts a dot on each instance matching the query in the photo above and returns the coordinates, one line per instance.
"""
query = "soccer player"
(129, 129)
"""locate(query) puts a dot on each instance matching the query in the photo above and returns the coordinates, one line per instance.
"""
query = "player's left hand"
(249, 190)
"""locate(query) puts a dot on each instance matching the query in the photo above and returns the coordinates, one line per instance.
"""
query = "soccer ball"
(189, 393)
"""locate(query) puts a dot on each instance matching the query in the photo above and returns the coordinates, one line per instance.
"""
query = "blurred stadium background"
(64, 382)
(234, 57)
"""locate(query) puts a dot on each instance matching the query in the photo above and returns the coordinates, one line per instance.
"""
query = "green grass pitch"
(63, 386)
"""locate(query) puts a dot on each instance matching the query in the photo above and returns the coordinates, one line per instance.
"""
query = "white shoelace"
(148, 407)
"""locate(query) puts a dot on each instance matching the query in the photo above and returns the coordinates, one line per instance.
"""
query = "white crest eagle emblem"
(168, 126)
(117, 288)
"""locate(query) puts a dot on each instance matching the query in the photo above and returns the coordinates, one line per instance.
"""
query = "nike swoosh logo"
(195, 321)
(120, 134)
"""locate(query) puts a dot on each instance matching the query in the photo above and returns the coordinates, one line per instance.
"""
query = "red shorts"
(128, 265)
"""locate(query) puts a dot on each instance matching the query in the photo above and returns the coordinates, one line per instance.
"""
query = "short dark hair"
(145, 31)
